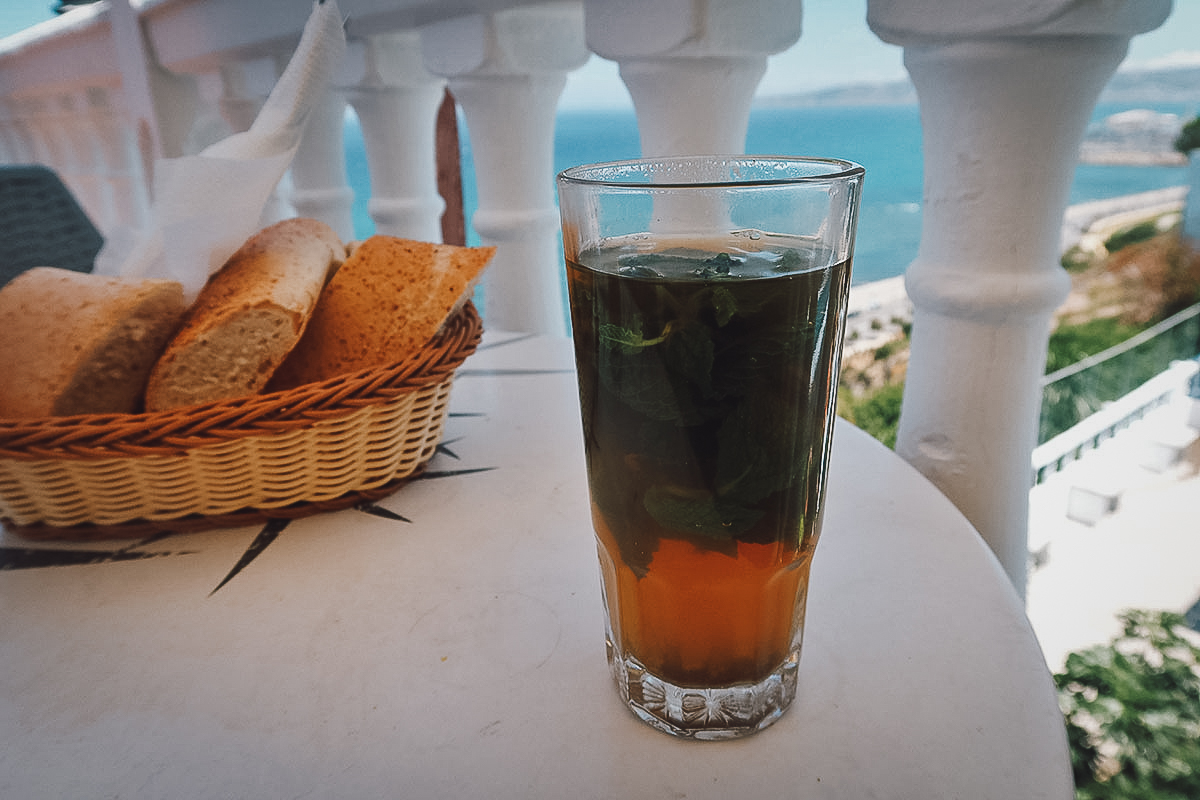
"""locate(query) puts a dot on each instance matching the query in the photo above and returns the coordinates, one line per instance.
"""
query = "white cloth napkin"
(205, 206)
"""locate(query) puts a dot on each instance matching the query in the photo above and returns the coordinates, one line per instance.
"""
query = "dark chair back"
(41, 224)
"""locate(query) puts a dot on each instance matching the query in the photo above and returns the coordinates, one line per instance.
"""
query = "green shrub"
(1132, 711)
(1071, 343)
(1076, 259)
(1189, 137)
(1141, 232)
(889, 349)
(877, 413)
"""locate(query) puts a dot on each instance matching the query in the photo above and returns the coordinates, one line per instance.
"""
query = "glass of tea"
(708, 304)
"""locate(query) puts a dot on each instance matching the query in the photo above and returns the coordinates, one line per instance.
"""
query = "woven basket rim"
(176, 431)
(192, 523)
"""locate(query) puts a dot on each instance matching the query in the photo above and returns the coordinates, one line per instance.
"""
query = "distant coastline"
(1174, 85)
(1141, 139)
(896, 93)
(1102, 156)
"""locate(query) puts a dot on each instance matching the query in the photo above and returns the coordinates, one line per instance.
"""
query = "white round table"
(450, 645)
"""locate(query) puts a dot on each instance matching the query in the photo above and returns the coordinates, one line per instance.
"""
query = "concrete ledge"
(1089, 501)
(1164, 446)
(1191, 414)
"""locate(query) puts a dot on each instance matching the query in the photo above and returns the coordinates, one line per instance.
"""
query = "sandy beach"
(1103, 217)
(874, 313)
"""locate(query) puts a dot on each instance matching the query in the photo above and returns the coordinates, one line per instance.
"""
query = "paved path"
(1145, 555)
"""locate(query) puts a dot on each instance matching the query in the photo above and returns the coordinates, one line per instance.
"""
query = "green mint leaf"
(748, 474)
(792, 261)
(721, 263)
(698, 513)
(629, 340)
(641, 382)
(725, 304)
(688, 357)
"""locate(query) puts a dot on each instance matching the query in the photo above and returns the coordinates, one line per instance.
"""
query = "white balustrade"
(124, 173)
(160, 131)
(507, 71)
(64, 105)
(1005, 93)
(319, 186)
(691, 66)
(397, 102)
(42, 134)
(241, 94)
(11, 139)
(80, 159)
(244, 87)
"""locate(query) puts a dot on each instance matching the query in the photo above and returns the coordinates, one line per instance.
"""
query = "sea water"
(884, 139)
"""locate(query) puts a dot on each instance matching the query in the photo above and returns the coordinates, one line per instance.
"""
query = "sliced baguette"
(387, 301)
(77, 343)
(248, 316)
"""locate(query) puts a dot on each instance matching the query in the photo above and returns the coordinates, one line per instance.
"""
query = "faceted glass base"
(727, 712)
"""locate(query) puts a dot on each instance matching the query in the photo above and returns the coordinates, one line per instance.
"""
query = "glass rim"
(587, 174)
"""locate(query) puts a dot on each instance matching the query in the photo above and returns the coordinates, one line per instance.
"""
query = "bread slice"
(386, 302)
(77, 343)
(248, 316)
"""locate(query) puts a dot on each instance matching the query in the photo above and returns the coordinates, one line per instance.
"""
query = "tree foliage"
(1132, 711)
(1189, 137)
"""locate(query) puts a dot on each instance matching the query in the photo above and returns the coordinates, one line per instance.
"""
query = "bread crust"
(78, 343)
(248, 316)
(387, 301)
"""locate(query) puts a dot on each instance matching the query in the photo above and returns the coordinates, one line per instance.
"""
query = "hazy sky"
(836, 48)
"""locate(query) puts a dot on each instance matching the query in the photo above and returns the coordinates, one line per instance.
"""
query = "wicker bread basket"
(285, 454)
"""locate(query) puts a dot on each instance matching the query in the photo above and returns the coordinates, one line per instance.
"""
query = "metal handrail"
(1123, 347)
(1088, 434)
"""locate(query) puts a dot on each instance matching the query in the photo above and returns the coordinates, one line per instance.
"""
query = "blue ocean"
(884, 139)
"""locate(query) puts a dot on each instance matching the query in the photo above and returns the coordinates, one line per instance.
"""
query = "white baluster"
(47, 127)
(1191, 211)
(1005, 97)
(244, 89)
(29, 115)
(79, 170)
(319, 187)
(122, 167)
(397, 103)
(245, 86)
(52, 130)
(137, 83)
(12, 134)
(100, 201)
(507, 71)
(691, 66)
(56, 129)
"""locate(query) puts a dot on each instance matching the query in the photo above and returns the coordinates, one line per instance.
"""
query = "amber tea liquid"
(707, 377)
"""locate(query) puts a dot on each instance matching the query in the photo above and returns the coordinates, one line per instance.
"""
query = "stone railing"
(1005, 89)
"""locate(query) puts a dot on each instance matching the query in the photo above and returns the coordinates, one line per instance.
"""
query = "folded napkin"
(205, 206)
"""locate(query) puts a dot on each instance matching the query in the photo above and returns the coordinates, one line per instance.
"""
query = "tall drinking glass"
(708, 303)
